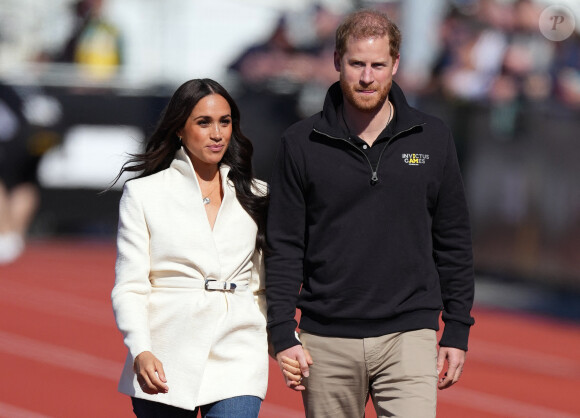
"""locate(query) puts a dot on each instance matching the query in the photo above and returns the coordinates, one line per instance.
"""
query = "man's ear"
(396, 64)
(336, 61)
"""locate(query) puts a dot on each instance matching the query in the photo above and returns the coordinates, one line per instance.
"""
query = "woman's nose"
(216, 132)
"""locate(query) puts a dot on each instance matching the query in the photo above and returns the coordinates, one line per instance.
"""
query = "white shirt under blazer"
(212, 344)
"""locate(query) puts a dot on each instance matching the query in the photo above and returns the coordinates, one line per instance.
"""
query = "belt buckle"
(218, 285)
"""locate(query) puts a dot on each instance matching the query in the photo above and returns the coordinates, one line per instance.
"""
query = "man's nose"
(367, 76)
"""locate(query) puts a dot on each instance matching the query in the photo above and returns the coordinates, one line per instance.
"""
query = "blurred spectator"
(268, 59)
(94, 42)
(566, 71)
(316, 57)
(317, 54)
(26, 121)
(279, 57)
(268, 84)
(282, 81)
(527, 58)
(420, 20)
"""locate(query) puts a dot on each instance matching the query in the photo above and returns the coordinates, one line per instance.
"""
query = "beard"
(365, 104)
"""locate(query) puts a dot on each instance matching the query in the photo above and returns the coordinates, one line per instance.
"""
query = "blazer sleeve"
(258, 284)
(131, 291)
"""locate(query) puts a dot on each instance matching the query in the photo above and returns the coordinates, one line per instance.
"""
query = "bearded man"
(369, 237)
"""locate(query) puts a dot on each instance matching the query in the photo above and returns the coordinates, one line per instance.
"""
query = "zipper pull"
(374, 178)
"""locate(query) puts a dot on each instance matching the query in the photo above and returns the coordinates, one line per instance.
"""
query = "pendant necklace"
(205, 199)
(388, 120)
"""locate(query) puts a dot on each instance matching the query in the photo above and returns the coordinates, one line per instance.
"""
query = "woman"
(189, 283)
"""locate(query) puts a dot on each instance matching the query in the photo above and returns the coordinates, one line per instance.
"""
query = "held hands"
(294, 362)
(455, 360)
(150, 374)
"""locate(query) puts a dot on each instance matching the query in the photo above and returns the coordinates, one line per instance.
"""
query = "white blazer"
(212, 344)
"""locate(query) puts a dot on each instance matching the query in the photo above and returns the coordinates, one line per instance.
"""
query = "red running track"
(61, 354)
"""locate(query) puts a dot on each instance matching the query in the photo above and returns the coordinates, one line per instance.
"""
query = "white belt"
(208, 284)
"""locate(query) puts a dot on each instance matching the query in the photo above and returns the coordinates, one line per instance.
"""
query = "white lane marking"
(11, 411)
(522, 359)
(59, 356)
(498, 405)
(56, 302)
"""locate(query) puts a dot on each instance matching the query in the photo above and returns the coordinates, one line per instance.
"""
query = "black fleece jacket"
(365, 251)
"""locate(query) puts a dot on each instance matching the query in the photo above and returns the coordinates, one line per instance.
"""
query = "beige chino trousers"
(398, 371)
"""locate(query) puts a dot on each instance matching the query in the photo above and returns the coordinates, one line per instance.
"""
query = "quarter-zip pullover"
(365, 249)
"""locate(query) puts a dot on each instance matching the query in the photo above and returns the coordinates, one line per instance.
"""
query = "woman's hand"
(150, 374)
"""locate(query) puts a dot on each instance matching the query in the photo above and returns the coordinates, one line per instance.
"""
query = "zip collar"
(329, 122)
(374, 170)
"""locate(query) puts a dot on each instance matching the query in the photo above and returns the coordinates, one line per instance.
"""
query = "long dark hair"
(161, 146)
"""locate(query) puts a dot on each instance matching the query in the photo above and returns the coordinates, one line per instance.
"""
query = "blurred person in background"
(188, 295)
(316, 58)
(369, 236)
(282, 80)
(94, 43)
(268, 92)
(268, 59)
(27, 130)
(566, 71)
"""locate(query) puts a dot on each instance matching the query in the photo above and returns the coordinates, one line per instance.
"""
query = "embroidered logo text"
(415, 159)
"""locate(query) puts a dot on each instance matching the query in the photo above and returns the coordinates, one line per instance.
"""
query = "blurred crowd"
(493, 51)
(488, 51)
(511, 96)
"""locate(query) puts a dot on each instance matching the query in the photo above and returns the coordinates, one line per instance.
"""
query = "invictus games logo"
(557, 22)
(415, 159)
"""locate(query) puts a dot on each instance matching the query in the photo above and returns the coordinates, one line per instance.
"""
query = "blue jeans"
(236, 407)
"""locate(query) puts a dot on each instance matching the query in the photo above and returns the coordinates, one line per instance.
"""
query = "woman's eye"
(226, 122)
(203, 123)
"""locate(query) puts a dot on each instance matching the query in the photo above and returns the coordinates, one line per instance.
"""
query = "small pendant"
(206, 200)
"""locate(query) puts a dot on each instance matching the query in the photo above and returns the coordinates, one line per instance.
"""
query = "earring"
(180, 142)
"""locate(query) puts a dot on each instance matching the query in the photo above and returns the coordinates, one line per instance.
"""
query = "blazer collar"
(182, 163)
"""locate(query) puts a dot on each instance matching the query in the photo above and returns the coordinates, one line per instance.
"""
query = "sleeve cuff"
(455, 334)
(283, 336)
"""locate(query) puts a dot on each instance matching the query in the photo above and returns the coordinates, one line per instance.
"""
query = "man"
(369, 236)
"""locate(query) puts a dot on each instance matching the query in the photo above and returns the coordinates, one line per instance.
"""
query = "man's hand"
(455, 360)
(150, 374)
(293, 363)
